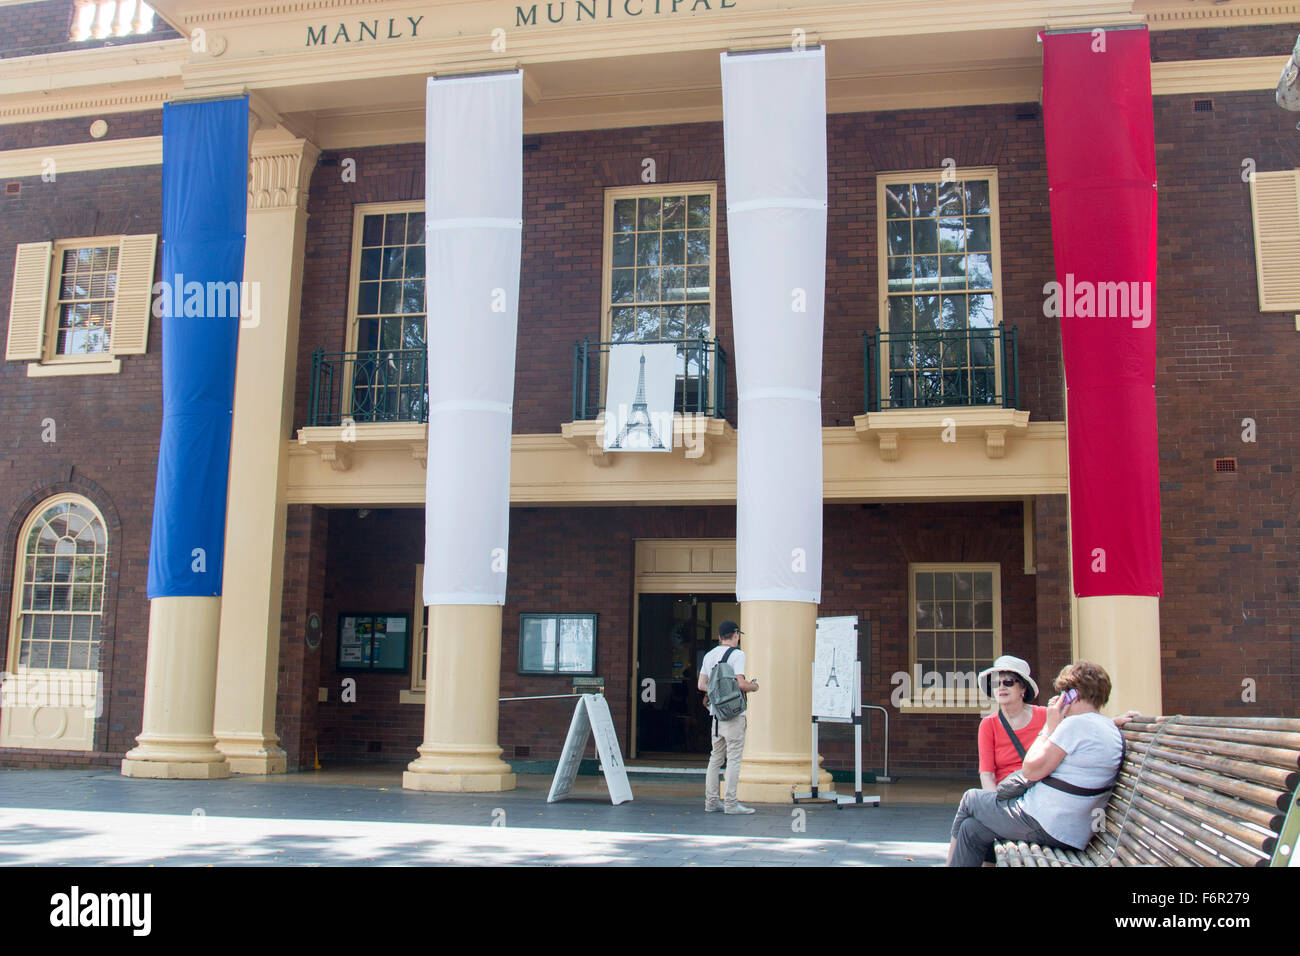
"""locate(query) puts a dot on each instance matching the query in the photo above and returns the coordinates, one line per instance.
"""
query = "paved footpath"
(98, 817)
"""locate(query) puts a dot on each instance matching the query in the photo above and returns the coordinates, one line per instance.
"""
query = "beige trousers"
(729, 741)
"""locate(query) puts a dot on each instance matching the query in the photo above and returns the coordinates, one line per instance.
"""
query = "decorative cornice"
(80, 157)
(44, 107)
(100, 67)
(247, 12)
(125, 79)
(1191, 16)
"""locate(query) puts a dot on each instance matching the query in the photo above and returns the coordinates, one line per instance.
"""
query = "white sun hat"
(1008, 663)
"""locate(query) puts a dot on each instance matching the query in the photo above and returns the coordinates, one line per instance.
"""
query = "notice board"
(374, 642)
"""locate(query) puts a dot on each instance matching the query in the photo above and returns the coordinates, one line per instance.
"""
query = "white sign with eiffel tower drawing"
(835, 661)
(639, 400)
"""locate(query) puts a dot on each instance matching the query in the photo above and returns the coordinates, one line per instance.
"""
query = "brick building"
(949, 552)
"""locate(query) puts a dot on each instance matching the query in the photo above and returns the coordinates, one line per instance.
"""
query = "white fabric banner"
(639, 400)
(473, 169)
(774, 134)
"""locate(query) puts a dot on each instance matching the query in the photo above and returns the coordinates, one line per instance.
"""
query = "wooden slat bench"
(1193, 791)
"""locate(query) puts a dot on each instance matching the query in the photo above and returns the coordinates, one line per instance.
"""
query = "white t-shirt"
(1092, 745)
(736, 662)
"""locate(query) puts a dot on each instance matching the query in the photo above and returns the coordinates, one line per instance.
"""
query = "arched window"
(59, 586)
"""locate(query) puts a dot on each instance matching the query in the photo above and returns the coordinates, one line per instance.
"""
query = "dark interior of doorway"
(674, 632)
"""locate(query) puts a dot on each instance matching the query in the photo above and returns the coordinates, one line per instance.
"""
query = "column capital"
(279, 172)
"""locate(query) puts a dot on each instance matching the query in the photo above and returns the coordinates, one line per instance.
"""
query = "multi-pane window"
(557, 643)
(61, 561)
(939, 255)
(660, 275)
(388, 377)
(87, 289)
(956, 621)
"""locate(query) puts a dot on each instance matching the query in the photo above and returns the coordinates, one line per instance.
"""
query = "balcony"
(700, 401)
(387, 385)
(944, 385)
(701, 378)
(387, 390)
(952, 369)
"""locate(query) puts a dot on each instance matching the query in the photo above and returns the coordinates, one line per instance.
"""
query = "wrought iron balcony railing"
(963, 367)
(701, 387)
(386, 385)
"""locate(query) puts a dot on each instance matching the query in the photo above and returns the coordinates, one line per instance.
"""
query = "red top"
(997, 753)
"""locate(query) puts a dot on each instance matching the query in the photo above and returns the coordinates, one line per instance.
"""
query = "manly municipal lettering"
(583, 11)
(358, 32)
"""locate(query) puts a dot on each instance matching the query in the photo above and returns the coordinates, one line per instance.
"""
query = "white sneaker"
(739, 808)
(712, 807)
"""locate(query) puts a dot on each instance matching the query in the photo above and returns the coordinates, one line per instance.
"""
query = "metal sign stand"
(857, 800)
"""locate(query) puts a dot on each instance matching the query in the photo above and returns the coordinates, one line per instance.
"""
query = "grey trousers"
(982, 821)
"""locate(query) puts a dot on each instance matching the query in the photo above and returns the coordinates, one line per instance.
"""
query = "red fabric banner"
(1101, 166)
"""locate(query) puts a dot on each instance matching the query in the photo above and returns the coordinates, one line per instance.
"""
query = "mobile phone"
(1069, 698)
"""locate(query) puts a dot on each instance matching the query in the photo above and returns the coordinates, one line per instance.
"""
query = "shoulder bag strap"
(1064, 787)
(1015, 741)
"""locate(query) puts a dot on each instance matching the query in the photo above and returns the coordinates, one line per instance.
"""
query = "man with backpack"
(722, 678)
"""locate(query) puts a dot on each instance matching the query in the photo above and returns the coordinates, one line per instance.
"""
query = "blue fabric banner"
(205, 199)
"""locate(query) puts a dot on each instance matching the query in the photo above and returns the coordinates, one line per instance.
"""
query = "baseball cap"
(727, 628)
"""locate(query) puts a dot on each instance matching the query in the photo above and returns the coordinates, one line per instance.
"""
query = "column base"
(452, 769)
(253, 753)
(774, 779)
(458, 782)
(175, 758)
(173, 769)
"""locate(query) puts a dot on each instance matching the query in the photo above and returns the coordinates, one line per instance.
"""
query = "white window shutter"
(27, 307)
(1275, 207)
(133, 300)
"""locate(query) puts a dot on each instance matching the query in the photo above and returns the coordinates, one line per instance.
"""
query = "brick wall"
(28, 29)
(1231, 541)
(582, 561)
(305, 551)
(76, 129)
(565, 178)
(106, 437)
(1213, 44)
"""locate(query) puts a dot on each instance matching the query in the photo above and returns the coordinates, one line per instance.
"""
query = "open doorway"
(674, 632)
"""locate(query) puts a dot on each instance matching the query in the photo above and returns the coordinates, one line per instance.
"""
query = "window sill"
(917, 707)
(39, 370)
(411, 697)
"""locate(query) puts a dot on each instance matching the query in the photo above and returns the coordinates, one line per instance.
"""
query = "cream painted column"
(778, 642)
(1119, 632)
(463, 681)
(176, 740)
(1122, 634)
(279, 173)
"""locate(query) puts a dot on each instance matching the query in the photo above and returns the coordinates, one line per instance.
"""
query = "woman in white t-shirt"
(1078, 749)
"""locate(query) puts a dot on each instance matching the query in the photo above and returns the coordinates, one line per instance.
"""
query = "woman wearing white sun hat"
(1008, 733)
(1039, 815)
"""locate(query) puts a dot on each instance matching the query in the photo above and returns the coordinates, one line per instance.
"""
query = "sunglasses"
(1008, 682)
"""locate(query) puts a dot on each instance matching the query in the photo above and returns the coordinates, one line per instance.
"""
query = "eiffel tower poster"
(639, 401)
